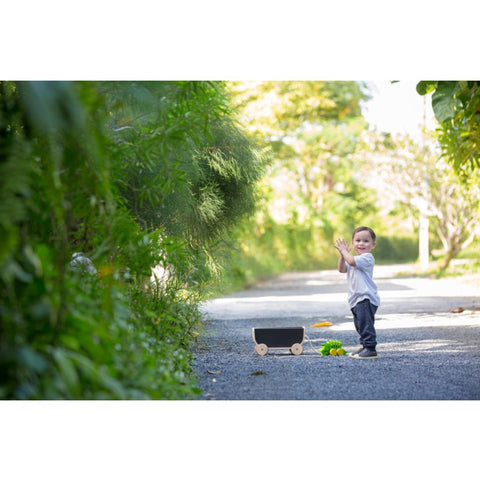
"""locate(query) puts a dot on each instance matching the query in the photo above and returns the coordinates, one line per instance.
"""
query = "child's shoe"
(356, 352)
(365, 354)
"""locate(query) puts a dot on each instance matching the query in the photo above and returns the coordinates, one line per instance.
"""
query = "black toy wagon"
(285, 337)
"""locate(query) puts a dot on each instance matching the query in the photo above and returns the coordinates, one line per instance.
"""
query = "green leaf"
(32, 359)
(11, 269)
(443, 101)
(66, 368)
(426, 87)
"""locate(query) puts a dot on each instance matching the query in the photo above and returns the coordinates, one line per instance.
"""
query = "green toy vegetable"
(332, 347)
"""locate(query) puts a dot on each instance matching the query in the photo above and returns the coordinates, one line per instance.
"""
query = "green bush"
(396, 249)
(263, 249)
(94, 168)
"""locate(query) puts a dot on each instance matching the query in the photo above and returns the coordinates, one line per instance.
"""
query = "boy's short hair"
(363, 229)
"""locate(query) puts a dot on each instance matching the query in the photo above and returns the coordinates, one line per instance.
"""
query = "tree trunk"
(450, 254)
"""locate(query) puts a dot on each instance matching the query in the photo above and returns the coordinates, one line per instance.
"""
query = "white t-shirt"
(360, 282)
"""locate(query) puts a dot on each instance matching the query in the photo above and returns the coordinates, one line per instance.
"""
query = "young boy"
(362, 291)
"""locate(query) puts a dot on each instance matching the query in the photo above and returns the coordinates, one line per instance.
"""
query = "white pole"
(423, 253)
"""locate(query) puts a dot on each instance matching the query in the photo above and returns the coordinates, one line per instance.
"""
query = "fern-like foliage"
(134, 175)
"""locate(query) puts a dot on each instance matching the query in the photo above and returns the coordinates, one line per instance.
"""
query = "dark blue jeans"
(364, 321)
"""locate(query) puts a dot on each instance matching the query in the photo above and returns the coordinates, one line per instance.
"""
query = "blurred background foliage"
(176, 191)
(315, 187)
(329, 172)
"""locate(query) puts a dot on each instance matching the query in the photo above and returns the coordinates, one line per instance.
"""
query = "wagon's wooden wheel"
(261, 348)
(296, 349)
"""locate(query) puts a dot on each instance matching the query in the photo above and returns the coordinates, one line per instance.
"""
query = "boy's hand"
(342, 246)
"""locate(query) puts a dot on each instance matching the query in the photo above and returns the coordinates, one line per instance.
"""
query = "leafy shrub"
(396, 249)
(72, 179)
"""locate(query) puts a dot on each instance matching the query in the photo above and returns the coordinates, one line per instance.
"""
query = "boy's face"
(363, 242)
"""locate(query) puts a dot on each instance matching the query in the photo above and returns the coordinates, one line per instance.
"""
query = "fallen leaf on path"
(214, 372)
(321, 324)
(258, 373)
(463, 310)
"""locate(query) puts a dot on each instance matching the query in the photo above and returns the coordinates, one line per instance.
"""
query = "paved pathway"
(426, 352)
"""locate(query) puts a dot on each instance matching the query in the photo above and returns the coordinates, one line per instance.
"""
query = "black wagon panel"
(279, 337)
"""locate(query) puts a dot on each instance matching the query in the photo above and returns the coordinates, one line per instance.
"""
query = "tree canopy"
(312, 130)
(456, 105)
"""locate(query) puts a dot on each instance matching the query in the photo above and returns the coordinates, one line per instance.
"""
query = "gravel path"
(426, 352)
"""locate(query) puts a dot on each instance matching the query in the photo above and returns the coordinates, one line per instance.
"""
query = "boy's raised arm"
(345, 256)
(342, 267)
